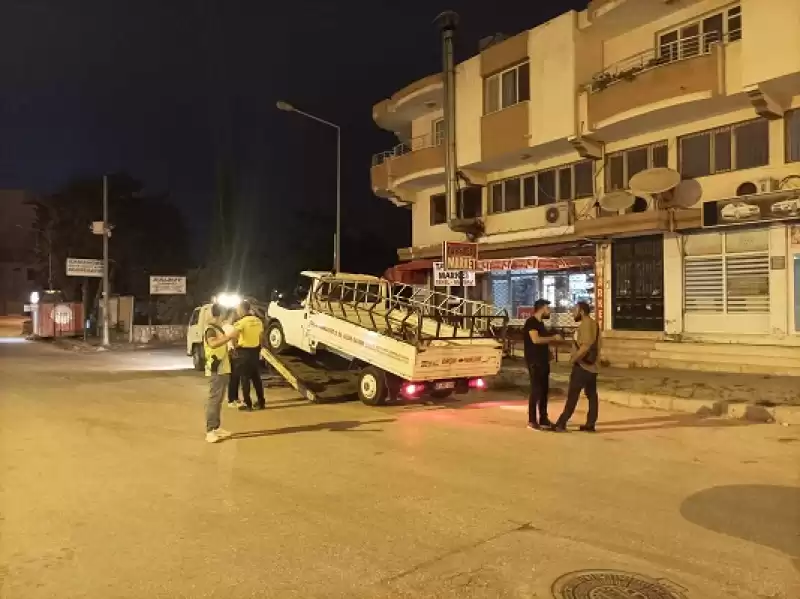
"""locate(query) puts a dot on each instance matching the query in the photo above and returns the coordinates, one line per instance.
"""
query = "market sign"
(460, 255)
(84, 267)
(452, 278)
(167, 285)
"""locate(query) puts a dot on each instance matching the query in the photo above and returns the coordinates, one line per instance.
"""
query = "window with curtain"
(729, 148)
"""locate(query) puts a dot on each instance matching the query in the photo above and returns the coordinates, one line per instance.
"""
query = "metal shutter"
(747, 282)
(704, 284)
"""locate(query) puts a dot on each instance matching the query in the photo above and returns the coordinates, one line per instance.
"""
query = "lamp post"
(337, 251)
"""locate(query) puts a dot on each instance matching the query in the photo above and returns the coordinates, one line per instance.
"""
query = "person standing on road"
(537, 340)
(233, 386)
(583, 377)
(250, 329)
(218, 369)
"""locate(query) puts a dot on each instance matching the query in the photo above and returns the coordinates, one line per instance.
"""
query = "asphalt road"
(107, 489)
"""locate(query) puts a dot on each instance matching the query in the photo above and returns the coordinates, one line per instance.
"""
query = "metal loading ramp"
(316, 378)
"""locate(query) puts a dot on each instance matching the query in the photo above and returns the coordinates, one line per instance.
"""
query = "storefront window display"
(517, 290)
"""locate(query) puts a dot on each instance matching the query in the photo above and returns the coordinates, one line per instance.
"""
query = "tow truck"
(343, 334)
(399, 340)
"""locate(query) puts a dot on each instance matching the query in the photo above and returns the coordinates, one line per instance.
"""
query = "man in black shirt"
(537, 341)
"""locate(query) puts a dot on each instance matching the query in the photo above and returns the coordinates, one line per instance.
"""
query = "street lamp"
(337, 253)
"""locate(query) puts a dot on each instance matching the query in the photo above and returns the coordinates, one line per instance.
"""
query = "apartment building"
(551, 120)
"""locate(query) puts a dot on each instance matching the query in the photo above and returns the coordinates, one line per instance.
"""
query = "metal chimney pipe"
(447, 23)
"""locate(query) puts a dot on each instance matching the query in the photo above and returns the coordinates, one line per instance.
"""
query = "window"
(438, 132)
(621, 166)
(793, 135)
(727, 274)
(195, 316)
(438, 209)
(570, 182)
(734, 147)
(507, 88)
(471, 202)
(694, 38)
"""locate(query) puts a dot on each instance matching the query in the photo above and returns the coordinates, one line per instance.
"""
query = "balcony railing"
(665, 53)
(412, 145)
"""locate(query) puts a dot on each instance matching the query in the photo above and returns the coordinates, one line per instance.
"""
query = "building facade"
(551, 120)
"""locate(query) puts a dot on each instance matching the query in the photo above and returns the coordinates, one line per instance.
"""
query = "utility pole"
(106, 290)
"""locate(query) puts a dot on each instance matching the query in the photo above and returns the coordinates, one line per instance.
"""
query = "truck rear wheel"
(372, 386)
(275, 338)
(198, 360)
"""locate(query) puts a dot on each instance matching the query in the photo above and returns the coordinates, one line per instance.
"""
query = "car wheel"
(198, 359)
(275, 338)
(372, 388)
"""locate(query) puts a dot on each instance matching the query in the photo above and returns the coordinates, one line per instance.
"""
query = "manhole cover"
(613, 584)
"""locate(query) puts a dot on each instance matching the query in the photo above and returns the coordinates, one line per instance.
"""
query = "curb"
(784, 415)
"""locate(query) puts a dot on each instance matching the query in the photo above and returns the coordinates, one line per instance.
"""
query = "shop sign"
(525, 312)
(167, 285)
(84, 267)
(750, 209)
(452, 278)
(460, 255)
(535, 263)
(599, 293)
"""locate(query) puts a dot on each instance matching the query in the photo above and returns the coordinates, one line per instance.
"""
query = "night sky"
(163, 89)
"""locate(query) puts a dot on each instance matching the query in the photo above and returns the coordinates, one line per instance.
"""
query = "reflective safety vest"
(251, 329)
(217, 358)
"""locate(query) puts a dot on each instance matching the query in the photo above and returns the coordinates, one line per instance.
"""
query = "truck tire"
(372, 387)
(276, 342)
(198, 359)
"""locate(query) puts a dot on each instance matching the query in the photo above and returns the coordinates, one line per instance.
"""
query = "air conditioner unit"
(557, 215)
(763, 185)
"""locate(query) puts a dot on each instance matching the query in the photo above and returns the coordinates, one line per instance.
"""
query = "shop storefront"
(516, 284)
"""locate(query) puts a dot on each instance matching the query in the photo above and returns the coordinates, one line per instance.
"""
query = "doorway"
(637, 281)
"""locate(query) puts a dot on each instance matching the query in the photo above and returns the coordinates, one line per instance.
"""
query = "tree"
(148, 238)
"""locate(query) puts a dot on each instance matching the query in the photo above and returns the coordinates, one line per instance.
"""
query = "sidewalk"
(758, 398)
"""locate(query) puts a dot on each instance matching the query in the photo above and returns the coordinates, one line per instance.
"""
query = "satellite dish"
(654, 181)
(617, 200)
(686, 194)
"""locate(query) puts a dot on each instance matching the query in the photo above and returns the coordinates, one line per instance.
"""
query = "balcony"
(616, 17)
(415, 164)
(414, 100)
(505, 134)
(672, 74)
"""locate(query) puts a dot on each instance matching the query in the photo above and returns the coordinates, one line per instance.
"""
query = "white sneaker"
(213, 437)
(234, 404)
(222, 433)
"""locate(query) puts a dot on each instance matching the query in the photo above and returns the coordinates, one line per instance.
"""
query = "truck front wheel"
(372, 386)
(275, 338)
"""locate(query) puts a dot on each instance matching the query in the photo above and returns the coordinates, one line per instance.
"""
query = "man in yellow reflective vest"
(249, 329)
(218, 369)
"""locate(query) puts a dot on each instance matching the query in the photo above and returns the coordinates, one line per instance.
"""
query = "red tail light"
(477, 383)
(411, 389)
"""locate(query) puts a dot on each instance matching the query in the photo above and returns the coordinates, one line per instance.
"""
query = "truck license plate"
(445, 385)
